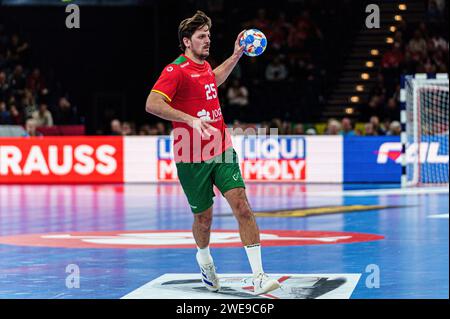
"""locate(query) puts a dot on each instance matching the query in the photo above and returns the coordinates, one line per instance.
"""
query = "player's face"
(200, 43)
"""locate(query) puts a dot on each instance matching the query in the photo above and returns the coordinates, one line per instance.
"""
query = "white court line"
(439, 216)
(377, 192)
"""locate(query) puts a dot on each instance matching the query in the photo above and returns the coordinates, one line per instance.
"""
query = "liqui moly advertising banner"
(272, 158)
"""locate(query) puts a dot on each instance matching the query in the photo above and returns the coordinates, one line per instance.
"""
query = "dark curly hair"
(188, 26)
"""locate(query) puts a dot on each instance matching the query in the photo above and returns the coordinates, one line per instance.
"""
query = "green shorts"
(197, 179)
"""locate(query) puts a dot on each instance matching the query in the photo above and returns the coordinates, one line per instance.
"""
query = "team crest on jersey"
(169, 68)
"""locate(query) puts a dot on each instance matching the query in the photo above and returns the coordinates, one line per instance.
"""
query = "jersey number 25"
(211, 92)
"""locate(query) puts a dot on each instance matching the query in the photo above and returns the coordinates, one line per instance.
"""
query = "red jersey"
(191, 87)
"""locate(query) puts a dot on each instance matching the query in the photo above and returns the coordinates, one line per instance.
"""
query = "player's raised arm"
(223, 71)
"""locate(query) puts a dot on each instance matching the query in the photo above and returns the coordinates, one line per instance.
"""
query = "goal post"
(424, 117)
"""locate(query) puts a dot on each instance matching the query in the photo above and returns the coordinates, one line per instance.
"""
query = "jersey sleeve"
(168, 82)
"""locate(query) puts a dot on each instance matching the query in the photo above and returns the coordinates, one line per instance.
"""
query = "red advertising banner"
(62, 160)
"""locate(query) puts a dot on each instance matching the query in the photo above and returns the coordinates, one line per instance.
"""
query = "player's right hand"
(203, 127)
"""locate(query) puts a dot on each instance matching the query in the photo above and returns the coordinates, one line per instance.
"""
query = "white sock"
(254, 257)
(204, 256)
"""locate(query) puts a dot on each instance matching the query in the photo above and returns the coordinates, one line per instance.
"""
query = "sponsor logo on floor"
(239, 286)
(181, 239)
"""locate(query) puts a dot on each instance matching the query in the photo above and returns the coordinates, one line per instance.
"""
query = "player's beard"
(201, 54)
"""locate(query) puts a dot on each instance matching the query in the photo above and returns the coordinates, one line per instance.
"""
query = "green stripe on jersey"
(179, 60)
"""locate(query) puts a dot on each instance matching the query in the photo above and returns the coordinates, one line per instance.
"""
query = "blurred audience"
(16, 115)
(347, 127)
(393, 58)
(276, 70)
(128, 128)
(35, 82)
(237, 101)
(377, 128)
(311, 131)
(43, 116)
(30, 128)
(65, 113)
(145, 130)
(260, 22)
(25, 97)
(333, 127)
(299, 129)
(161, 128)
(116, 127)
(394, 128)
(418, 48)
(5, 115)
(17, 50)
(369, 129)
(17, 80)
(4, 86)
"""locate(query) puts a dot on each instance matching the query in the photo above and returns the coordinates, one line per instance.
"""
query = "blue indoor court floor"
(134, 241)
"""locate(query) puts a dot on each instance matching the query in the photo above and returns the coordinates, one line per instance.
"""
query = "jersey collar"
(195, 64)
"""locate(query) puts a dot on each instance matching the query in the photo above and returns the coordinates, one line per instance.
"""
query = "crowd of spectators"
(290, 70)
(345, 127)
(127, 128)
(295, 78)
(417, 48)
(25, 96)
(373, 127)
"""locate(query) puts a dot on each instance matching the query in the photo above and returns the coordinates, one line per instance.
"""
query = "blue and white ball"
(255, 42)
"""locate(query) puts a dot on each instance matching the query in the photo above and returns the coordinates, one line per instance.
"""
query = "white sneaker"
(209, 276)
(263, 284)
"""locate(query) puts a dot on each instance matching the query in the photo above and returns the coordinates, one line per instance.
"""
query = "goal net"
(425, 130)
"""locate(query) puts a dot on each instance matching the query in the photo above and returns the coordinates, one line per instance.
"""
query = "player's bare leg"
(201, 229)
(249, 232)
(248, 229)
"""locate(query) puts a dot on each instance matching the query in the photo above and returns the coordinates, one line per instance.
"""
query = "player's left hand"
(238, 49)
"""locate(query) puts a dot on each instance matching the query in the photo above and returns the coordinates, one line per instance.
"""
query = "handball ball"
(255, 42)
